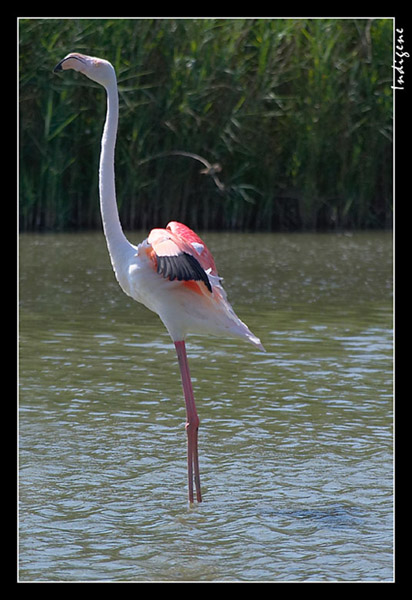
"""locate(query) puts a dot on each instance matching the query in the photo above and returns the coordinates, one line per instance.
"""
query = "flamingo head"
(96, 69)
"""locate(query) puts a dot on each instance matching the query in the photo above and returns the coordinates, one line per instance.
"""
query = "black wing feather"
(183, 267)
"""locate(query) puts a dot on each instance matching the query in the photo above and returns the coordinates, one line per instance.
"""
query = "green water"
(295, 444)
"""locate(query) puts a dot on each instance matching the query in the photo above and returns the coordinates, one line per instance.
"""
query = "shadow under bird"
(171, 272)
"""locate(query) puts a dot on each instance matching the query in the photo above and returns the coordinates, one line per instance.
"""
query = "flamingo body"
(187, 293)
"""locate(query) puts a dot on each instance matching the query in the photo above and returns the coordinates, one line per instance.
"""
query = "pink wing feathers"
(181, 254)
(202, 252)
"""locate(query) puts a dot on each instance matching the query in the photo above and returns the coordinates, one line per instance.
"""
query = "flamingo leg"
(192, 424)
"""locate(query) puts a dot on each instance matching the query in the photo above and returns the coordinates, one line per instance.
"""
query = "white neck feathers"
(116, 240)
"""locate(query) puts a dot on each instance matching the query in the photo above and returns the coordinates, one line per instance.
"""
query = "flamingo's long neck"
(116, 240)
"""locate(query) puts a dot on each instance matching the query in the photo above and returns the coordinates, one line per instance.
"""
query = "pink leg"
(192, 423)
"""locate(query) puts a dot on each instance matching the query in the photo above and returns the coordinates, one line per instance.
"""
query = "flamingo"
(171, 272)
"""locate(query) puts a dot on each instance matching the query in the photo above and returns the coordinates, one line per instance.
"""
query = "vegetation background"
(297, 112)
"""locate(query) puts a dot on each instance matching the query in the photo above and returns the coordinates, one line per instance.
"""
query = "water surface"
(295, 443)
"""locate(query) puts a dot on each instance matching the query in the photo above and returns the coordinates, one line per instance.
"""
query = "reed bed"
(297, 113)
